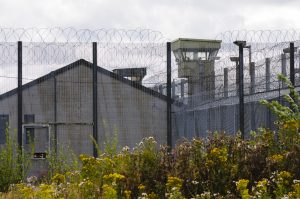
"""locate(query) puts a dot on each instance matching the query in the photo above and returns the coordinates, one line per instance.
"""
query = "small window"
(3, 127)
(29, 119)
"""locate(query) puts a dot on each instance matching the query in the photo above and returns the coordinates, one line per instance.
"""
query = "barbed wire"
(260, 36)
(46, 49)
(264, 44)
(70, 34)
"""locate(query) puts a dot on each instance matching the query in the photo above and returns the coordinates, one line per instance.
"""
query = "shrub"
(222, 167)
(13, 164)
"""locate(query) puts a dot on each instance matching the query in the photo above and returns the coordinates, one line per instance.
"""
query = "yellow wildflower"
(58, 178)
(114, 177)
(242, 188)
(141, 187)
(174, 182)
(277, 158)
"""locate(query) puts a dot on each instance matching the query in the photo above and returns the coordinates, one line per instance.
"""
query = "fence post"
(252, 77)
(237, 72)
(268, 88)
(252, 91)
(160, 89)
(283, 64)
(55, 112)
(95, 98)
(20, 95)
(225, 82)
(173, 89)
(182, 88)
(241, 45)
(169, 100)
(292, 63)
(299, 64)
(283, 67)
(268, 76)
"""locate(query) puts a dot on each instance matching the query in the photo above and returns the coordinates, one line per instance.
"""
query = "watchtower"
(196, 62)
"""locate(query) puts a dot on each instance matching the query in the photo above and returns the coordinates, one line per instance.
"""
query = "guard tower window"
(29, 119)
(3, 127)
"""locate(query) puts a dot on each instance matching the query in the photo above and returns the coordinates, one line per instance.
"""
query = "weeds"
(13, 164)
(221, 166)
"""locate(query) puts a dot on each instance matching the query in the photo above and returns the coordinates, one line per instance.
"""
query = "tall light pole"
(241, 45)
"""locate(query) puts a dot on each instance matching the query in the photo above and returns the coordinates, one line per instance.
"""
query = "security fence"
(98, 84)
(85, 86)
(266, 55)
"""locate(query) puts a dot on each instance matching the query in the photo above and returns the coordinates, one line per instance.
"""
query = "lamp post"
(241, 45)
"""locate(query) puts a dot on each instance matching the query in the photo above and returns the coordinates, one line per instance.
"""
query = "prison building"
(61, 104)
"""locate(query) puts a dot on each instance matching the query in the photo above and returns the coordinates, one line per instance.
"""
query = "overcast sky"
(174, 18)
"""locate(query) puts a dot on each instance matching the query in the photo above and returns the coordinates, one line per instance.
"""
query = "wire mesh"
(217, 109)
(57, 83)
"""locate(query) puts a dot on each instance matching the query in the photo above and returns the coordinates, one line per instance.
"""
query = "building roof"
(88, 64)
(195, 44)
